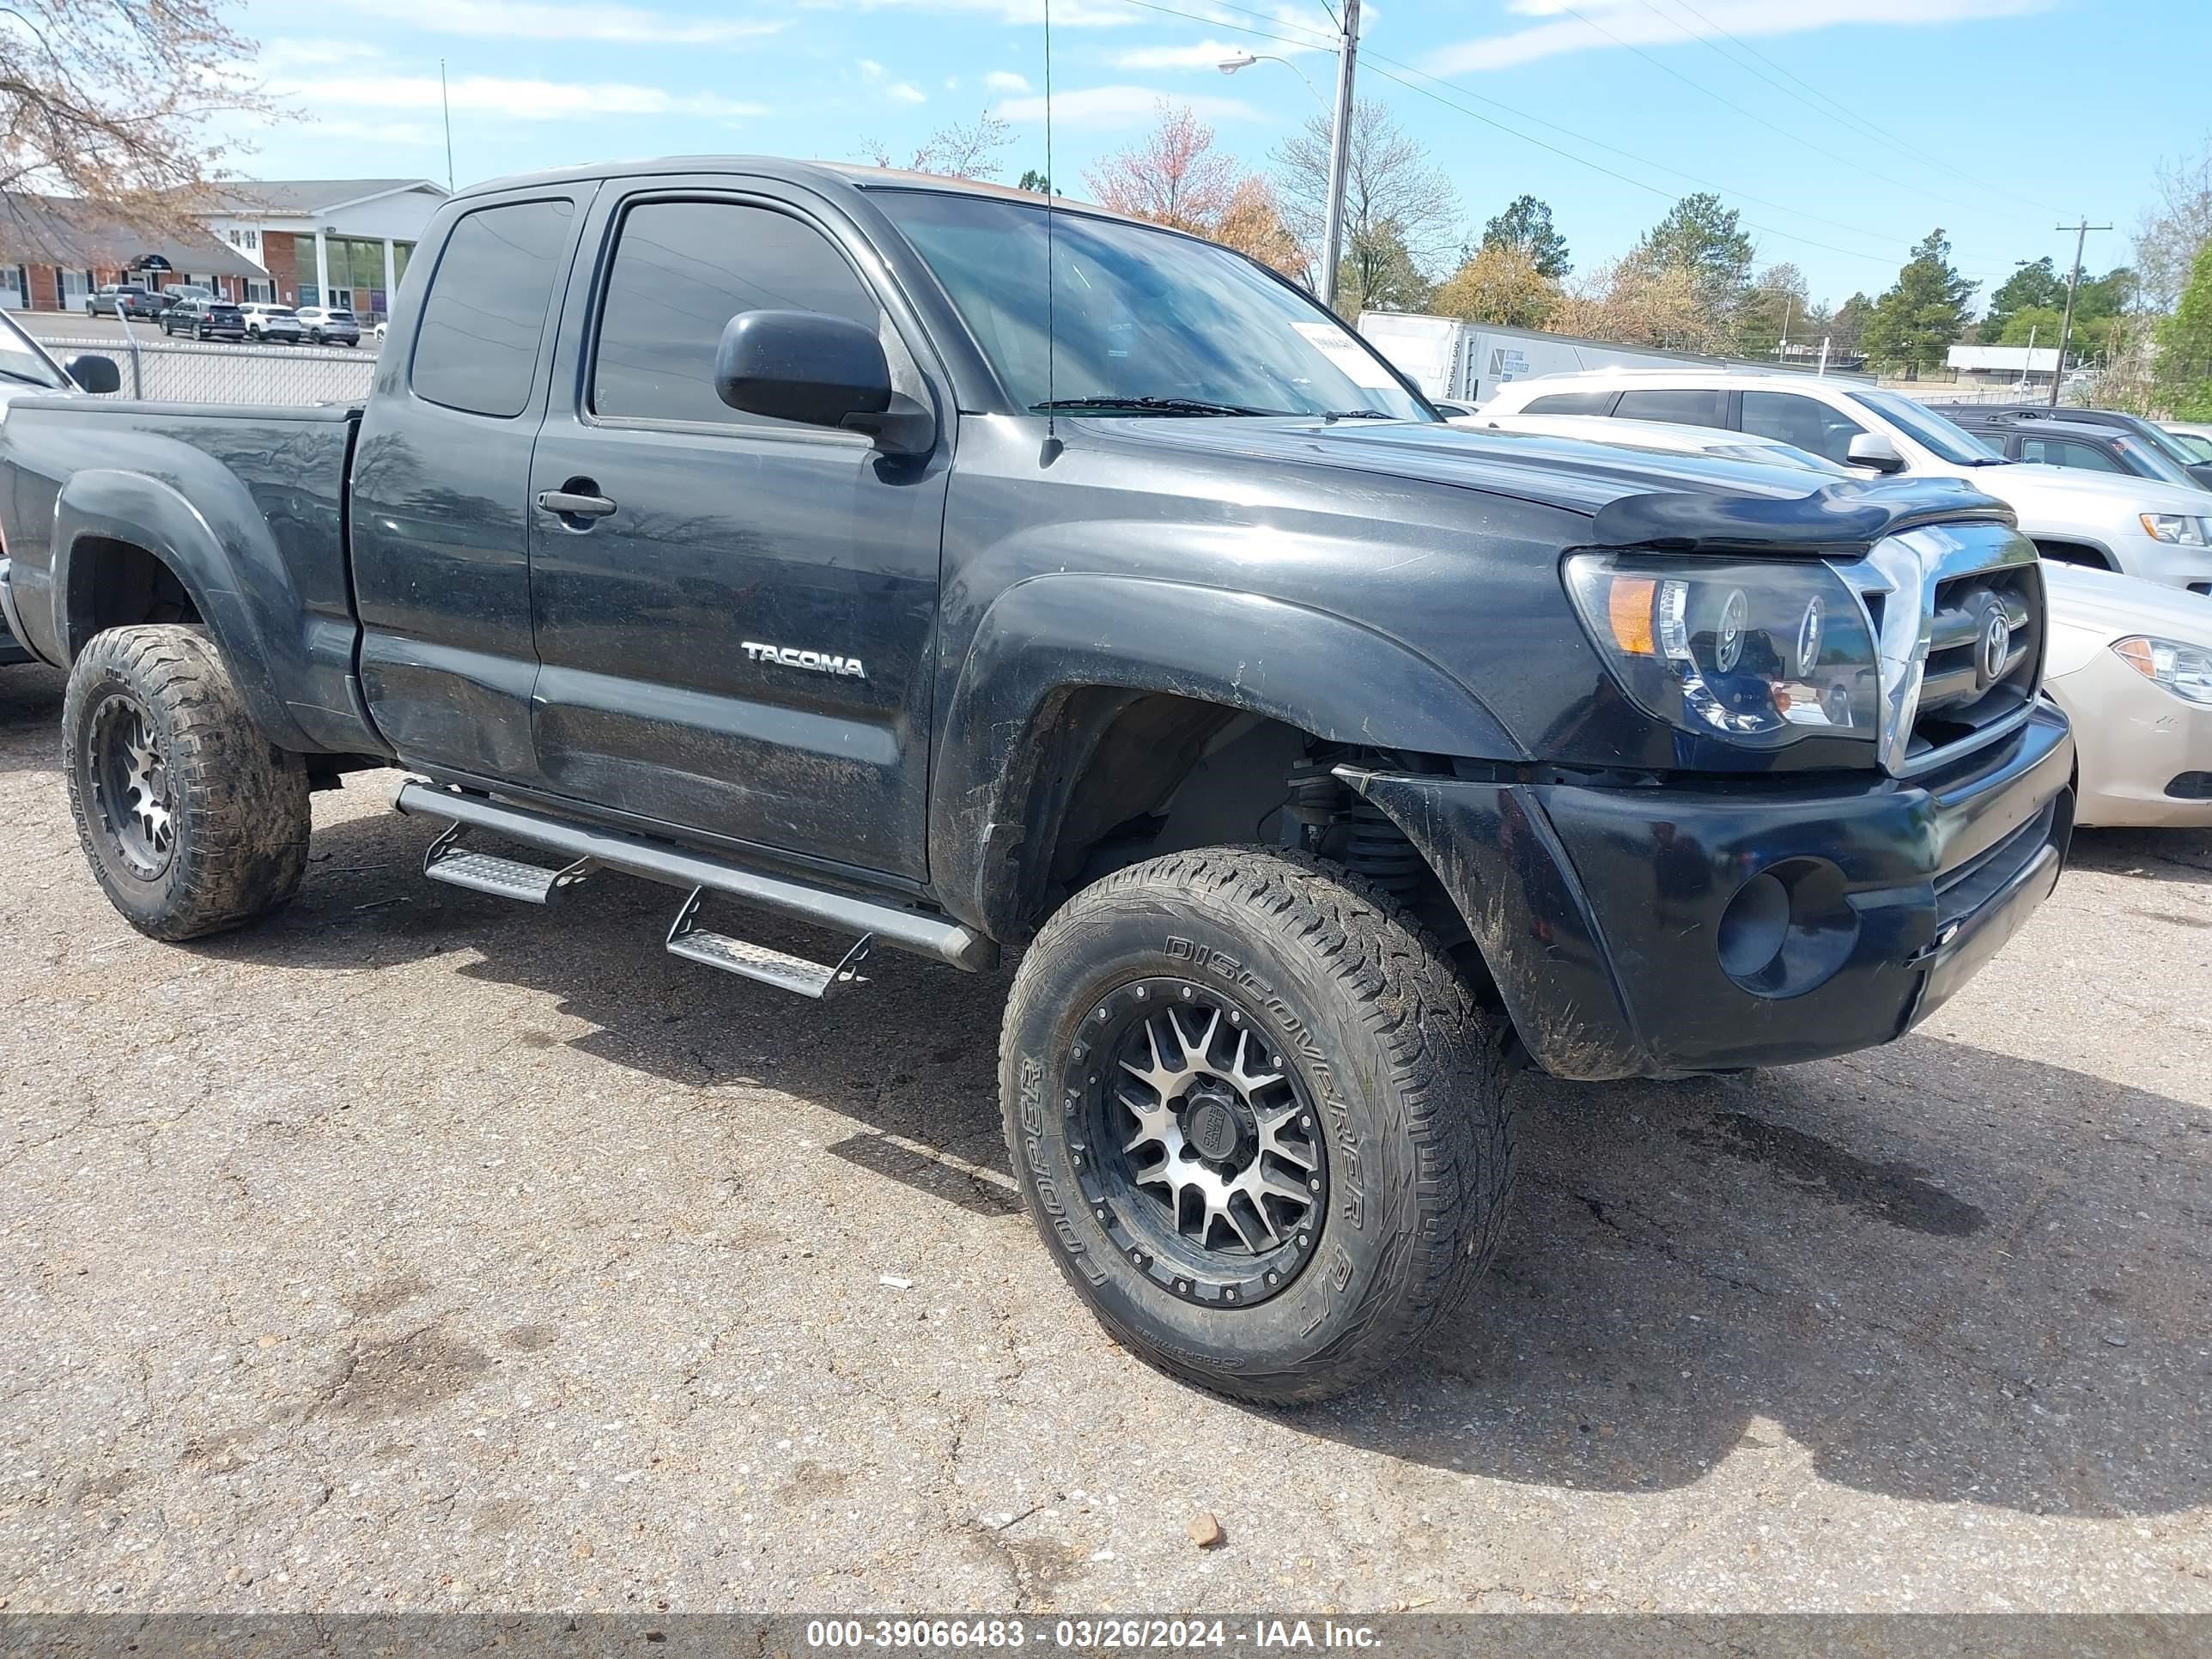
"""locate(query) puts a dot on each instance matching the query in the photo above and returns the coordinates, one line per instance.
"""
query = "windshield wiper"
(1154, 406)
(27, 380)
(1358, 414)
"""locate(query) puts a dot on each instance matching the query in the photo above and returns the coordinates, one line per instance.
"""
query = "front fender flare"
(1049, 635)
(218, 569)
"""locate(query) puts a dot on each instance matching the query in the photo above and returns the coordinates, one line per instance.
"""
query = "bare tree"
(110, 104)
(956, 151)
(1396, 200)
(2170, 234)
(1173, 175)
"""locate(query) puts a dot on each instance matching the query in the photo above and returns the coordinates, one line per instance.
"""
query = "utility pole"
(2066, 328)
(1339, 153)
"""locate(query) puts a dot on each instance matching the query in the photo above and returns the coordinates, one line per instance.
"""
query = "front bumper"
(1600, 910)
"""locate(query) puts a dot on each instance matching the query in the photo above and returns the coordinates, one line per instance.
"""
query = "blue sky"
(1843, 130)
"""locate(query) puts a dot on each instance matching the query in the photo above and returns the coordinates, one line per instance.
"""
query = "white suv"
(2159, 531)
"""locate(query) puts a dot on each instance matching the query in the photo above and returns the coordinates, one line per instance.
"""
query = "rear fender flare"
(225, 558)
(1050, 635)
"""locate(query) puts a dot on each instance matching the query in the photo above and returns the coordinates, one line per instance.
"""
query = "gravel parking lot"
(417, 1250)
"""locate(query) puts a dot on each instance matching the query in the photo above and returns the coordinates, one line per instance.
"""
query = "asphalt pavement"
(417, 1250)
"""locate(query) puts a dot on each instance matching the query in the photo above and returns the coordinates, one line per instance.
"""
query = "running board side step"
(587, 847)
(445, 859)
(735, 956)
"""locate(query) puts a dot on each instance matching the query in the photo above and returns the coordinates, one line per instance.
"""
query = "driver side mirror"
(1875, 452)
(94, 372)
(820, 370)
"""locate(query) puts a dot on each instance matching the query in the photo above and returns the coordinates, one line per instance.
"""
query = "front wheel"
(192, 820)
(1257, 1118)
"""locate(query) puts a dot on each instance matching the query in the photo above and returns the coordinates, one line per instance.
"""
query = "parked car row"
(189, 309)
(2129, 661)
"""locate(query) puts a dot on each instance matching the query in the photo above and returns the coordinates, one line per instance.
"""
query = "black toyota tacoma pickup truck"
(963, 575)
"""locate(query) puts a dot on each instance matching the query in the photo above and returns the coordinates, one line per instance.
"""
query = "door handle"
(574, 503)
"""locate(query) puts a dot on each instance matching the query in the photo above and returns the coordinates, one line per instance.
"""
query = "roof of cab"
(851, 174)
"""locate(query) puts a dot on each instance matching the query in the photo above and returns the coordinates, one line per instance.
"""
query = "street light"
(1244, 60)
(1340, 140)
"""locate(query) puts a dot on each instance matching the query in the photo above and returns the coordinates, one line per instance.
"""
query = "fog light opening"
(1788, 929)
(1754, 928)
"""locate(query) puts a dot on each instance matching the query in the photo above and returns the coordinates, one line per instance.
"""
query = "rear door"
(736, 643)
(439, 511)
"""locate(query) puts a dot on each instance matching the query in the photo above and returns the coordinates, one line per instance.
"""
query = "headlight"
(2179, 528)
(1762, 654)
(2184, 670)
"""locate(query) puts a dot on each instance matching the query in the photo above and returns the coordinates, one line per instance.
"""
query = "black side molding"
(1842, 517)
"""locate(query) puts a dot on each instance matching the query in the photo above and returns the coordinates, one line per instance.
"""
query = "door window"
(1570, 403)
(2064, 451)
(1805, 422)
(682, 269)
(1684, 406)
(476, 349)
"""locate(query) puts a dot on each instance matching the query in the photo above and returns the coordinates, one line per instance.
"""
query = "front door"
(734, 614)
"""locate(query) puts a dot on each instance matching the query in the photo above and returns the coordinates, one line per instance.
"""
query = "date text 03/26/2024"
(1085, 1635)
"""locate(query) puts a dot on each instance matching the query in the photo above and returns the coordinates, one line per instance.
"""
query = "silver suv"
(2158, 530)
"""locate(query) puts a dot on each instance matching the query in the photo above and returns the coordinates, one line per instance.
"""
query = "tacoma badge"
(820, 661)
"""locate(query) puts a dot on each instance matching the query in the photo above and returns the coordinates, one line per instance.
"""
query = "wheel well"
(118, 584)
(2060, 552)
(1140, 775)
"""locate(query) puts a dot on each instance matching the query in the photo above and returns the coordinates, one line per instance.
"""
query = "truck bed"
(252, 495)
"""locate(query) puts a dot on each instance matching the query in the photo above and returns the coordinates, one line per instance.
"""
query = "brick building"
(342, 242)
(53, 254)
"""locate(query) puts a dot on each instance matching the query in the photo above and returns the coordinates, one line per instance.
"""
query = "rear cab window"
(1680, 405)
(1572, 403)
(484, 315)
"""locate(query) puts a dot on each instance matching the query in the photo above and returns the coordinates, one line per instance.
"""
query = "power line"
(1324, 44)
(1752, 115)
(1378, 59)
(1837, 111)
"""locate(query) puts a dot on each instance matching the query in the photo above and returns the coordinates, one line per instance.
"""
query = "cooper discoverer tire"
(1257, 1118)
(191, 821)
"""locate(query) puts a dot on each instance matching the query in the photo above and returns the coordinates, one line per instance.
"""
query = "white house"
(342, 242)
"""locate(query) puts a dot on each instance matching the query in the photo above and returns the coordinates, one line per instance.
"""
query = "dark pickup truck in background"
(958, 573)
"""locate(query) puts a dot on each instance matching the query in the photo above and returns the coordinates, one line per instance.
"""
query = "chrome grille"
(1958, 617)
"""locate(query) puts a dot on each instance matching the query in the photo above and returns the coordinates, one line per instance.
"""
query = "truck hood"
(2021, 483)
(1635, 497)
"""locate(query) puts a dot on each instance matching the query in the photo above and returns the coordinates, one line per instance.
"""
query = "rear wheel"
(192, 822)
(1257, 1118)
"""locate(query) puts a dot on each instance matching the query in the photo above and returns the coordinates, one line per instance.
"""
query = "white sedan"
(2130, 662)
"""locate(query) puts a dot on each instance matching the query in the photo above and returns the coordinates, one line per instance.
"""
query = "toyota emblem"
(1997, 646)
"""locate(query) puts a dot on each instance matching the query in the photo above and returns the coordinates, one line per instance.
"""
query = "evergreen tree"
(2182, 385)
(1525, 227)
(2031, 287)
(1919, 319)
(1702, 238)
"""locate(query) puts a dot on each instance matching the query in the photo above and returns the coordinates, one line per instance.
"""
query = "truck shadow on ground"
(1938, 1273)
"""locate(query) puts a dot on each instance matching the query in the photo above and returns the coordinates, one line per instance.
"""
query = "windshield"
(22, 358)
(1952, 443)
(1143, 321)
(2155, 463)
(2166, 443)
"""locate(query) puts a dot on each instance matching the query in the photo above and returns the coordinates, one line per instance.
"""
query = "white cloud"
(1007, 80)
(518, 99)
(1206, 54)
(905, 91)
(1631, 22)
(551, 20)
(1119, 106)
(280, 56)
(1066, 14)
(871, 70)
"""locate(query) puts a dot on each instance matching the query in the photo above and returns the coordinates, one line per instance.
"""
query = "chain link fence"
(190, 372)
